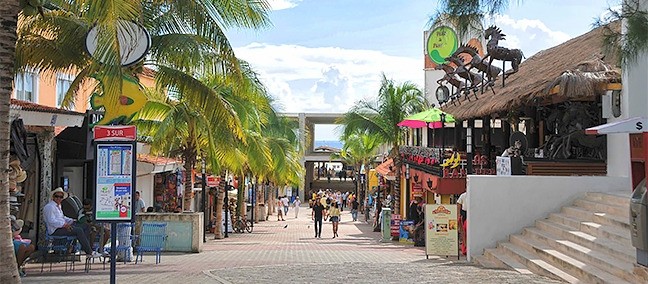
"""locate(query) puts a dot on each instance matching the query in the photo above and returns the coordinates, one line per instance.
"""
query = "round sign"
(134, 42)
(441, 43)
(442, 94)
(123, 209)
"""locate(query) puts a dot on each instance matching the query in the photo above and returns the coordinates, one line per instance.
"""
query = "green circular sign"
(441, 43)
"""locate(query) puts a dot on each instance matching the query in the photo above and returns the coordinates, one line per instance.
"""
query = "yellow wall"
(373, 179)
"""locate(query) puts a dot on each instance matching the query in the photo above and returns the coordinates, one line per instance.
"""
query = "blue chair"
(151, 239)
(61, 248)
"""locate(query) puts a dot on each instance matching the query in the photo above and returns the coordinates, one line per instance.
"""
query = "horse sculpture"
(470, 77)
(452, 80)
(494, 34)
(477, 62)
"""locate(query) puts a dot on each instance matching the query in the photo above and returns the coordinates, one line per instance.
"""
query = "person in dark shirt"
(354, 209)
(317, 216)
(414, 210)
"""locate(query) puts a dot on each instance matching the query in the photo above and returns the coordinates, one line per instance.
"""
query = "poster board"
(114, 180)
(503, 166)
(441, 230)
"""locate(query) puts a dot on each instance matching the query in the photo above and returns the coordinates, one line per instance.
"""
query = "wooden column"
(486, 136)
(470, 145)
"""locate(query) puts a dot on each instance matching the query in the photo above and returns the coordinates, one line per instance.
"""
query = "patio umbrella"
(430, 118)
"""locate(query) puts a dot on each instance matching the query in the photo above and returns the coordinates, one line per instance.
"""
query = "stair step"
(499, 256)
(574, 267)
(592, 228)
(487, 262)
(602, 207)
(617, 198)
(616, 267)
(536, 264)
(598, 217)
(612, 248)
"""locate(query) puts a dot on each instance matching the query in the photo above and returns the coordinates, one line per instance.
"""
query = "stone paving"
(285, 251)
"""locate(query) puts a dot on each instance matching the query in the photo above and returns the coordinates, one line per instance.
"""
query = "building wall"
(499, 206)
(145, 187)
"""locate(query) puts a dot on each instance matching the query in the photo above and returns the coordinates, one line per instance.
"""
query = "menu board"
(441, 230)
(114, 182)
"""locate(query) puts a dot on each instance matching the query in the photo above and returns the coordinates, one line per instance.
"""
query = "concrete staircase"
(588, 242)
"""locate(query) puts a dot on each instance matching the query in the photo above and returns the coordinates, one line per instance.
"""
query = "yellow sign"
(441, 230)
(130, 102)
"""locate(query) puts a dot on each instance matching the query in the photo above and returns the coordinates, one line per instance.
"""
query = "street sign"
(212, 181)
(114, 181)
(115, 133)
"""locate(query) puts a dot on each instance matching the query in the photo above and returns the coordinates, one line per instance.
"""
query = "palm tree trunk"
(9, 19)
(187, 195)
(219, 195)
(255, 203)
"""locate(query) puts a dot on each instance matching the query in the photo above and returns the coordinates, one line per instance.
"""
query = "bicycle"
(242, 224)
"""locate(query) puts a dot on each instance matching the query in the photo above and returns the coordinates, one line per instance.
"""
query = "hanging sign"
(441, 230)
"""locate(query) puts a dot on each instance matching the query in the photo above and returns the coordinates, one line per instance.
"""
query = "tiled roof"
(156, 160)
(29, 106)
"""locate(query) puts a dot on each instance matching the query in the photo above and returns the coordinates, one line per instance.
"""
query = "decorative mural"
(130, 102)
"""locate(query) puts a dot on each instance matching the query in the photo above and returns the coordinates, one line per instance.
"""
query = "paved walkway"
(286, 252)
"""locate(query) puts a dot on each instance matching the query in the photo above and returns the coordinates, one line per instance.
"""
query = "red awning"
(383, 169)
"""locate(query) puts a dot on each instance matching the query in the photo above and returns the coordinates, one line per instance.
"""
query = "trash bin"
(639, 222)
(386, 224)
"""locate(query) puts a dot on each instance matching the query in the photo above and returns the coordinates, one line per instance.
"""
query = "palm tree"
(359, 150)
(379, 118)
(9, 15)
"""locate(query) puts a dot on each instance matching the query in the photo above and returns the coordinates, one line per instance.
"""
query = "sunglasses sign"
(115, 173)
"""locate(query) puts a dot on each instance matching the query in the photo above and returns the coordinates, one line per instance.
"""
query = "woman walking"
(334, 214)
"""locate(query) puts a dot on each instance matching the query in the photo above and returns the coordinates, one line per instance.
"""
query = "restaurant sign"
(441, 230)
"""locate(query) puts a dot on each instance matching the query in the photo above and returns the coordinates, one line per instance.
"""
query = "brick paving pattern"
(276, 254)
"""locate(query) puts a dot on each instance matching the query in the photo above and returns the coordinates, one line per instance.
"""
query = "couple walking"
(318, 215)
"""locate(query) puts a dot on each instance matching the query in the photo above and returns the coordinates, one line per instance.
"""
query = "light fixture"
(416, 177)
(429, 183)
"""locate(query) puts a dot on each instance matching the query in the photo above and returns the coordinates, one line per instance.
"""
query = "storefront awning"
(384, 169)
(34, 114)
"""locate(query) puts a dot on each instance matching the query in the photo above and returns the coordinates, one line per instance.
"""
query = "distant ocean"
(330, 143)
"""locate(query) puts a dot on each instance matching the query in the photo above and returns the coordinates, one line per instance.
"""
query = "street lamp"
(203, 199)
(407, 187)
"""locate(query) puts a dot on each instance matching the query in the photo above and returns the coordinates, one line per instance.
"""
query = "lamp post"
(203, 199)
(407, 189)
(226, 200)
(443, 118)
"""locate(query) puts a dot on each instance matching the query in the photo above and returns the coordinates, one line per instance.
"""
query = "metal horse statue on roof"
(494, 34)
(474, 79)
(477, 62)
(451, 78)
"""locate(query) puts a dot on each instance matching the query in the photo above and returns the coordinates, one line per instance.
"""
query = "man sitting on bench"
(60, 225)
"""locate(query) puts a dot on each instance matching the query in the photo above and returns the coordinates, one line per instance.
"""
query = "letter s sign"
(639, 125)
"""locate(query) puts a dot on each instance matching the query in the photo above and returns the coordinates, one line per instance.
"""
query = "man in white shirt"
(296, 205)
(138, 204)
(59, 225)
(285, 203)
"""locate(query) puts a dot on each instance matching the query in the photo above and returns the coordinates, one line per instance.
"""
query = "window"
(63, 83)
(26, 86)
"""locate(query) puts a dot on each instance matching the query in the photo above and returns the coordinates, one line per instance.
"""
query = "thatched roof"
(578, 66)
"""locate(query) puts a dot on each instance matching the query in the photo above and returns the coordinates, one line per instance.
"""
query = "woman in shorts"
(334, 215)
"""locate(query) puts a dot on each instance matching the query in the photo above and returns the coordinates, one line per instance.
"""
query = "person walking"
(334, 215)
(280, 210)
(285, 203)
(317, 215)
(296, 205)
(354, 209)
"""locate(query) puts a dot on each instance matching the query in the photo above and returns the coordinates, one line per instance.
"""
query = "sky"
(326, 55)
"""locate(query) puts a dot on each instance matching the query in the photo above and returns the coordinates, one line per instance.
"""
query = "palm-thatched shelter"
(557, 92)
(579, 67)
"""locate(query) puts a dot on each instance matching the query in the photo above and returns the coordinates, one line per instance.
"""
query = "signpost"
(115, 168)
(441, 230)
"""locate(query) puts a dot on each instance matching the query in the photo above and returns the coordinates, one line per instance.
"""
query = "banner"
(406, 232)
(441, 230)
(395, 225)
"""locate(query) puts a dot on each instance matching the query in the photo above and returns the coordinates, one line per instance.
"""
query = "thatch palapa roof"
(579, 66)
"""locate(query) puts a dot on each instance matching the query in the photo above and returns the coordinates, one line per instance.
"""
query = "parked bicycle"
(242, 224)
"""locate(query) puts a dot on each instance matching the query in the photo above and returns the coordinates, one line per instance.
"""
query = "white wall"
(503, 205)
(75, 179)
(145, 187)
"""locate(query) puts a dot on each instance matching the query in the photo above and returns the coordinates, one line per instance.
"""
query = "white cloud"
(325, 79)
(283, 4)
(530, 35)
